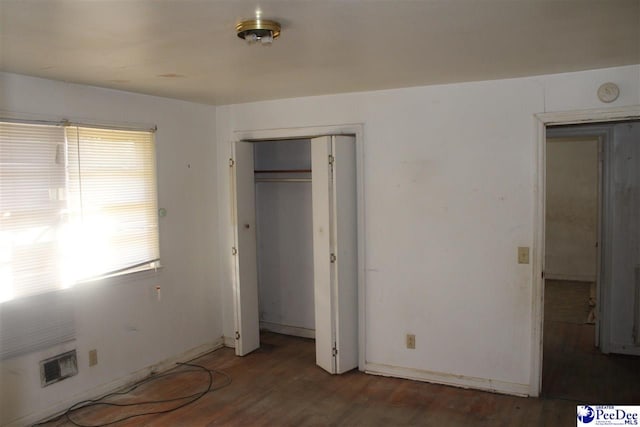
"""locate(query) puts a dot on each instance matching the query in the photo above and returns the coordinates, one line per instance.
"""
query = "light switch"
(411, 341)
(523, 255)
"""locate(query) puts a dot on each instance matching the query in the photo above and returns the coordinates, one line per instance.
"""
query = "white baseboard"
(119, 383)
(462, 381)
(229, 342)
(296, 331)
(628, 349)
(570, 277)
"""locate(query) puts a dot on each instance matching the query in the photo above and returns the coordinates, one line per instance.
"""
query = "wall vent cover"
(59, 367)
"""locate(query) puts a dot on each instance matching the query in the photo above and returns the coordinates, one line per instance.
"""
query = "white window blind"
(32, 183)
(113, 220)
(76, 203)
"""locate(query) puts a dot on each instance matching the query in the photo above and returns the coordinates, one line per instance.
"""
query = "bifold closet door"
(245, 286)
(335, 252)
(621, 248)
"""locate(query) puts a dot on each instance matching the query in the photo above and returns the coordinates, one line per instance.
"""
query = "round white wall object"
(608, 92)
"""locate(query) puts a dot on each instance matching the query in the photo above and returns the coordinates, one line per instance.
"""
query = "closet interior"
(284, 234)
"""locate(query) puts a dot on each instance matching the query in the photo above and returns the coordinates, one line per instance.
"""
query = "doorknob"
(247, 226)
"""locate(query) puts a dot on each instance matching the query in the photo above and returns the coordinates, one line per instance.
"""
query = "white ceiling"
(189, 50)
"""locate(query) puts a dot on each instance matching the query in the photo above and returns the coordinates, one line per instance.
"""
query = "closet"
(284, 232)
(295, 244)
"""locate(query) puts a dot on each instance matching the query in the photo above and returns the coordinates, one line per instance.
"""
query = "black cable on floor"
(99, 401)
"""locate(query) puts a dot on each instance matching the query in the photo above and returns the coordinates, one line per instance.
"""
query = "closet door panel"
(245, 287)
(622, 243)
(345, 248)
(322, 244)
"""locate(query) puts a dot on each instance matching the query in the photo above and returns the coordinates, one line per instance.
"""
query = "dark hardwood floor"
(573, 367)
(280, 385)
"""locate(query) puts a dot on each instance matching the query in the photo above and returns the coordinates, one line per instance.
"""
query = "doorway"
(284, 234)
(335, 227)
(591, 260)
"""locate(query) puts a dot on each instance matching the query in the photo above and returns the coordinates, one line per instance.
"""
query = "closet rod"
(283, 180)
(283, 171)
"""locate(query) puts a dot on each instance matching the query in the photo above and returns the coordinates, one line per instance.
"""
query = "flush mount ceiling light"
(258, 30)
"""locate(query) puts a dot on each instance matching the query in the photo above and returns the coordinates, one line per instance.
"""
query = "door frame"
(357, 130)
(541, 122)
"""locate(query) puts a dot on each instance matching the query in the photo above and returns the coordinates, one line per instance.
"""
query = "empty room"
(319, 212)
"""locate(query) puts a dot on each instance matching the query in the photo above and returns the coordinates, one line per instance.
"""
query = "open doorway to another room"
(591, 263)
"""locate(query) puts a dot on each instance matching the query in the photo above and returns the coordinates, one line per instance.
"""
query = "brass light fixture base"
(257, 29)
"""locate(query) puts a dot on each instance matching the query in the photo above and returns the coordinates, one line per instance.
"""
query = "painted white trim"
(537, 260)
(631, 112)
(485, 384)
(73, 120)
(296, 331)
(541, 121)
(356, 129)
(623, 349)
(130, 379)
(298, 132)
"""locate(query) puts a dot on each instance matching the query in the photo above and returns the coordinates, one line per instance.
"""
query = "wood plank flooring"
(573, 368)
(280, 385)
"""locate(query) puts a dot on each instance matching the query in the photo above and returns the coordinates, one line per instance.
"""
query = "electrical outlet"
(93, 357)
(411, 341)
(523, 255)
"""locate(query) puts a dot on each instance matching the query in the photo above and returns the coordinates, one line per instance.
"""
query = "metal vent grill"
(59, 367)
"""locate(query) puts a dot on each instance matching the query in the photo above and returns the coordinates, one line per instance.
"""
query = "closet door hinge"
(332, 258)
(331, 159)
(231, 163)
(234, 251)
(334, 350)
(237, 335)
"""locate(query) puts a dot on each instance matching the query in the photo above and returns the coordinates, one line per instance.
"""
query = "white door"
(335, 252)
(245, 285)
(622, 242)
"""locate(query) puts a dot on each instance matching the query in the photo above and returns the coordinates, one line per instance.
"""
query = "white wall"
(571, 209)
(121, 318)
(449, 177)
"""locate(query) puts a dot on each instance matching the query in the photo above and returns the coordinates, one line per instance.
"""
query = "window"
(76, 203)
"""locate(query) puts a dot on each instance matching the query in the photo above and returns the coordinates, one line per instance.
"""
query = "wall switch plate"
(411, 341)
(523, 255)
(93, 357)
